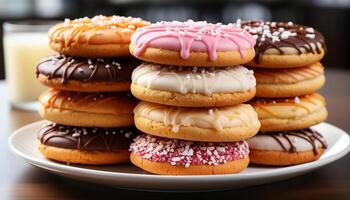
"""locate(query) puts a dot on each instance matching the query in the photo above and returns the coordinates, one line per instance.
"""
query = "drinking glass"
(25, 44)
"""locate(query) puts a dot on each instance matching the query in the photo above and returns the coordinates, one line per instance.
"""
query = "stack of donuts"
(89, 104)
(201, 111)
(288, 73)
(193, 89)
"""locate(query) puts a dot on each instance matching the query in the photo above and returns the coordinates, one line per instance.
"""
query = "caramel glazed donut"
(85, 74)
(290, 113)
(105, 110)
(99, 36)
(290, 82)
(94, 146)
(284, 45)
(192, 44)
(179, 157)
(224, 124)
(193, 87)
(286, 148)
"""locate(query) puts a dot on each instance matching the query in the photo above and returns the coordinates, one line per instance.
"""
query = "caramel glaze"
(261, 102)
(309, 135)
(62, 99)
(298, 42)
(83, 29)
(87, 139)
(283, 75)
(87, 70)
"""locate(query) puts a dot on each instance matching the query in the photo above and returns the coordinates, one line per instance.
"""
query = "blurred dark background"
(331, 17)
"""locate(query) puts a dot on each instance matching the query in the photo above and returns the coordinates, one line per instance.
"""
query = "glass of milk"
(25, 44)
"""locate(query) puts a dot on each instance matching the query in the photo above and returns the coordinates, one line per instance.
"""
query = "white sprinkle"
(91, 67)
(128, 134)
(310, 30)
(69, 98)
(107, 66)
(297, 100)
(290, 23)
(311, 36)
(176, 159)
(210, 111)
(75, 134)
(208, 152)
(221, 149)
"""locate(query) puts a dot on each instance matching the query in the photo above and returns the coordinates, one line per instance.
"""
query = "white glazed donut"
(225, 124)
(300, 140)
(286, 147)
(193, 87)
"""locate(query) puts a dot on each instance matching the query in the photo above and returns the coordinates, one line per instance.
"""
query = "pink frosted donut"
(193, 44)
(178, 157)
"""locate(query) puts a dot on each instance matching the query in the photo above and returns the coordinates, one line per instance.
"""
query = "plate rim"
(68, 169)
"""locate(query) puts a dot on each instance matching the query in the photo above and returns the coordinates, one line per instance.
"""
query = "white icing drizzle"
(210, 118)
(194, 80)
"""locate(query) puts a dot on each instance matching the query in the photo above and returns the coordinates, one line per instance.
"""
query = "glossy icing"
(194, 80)
(190, 36)
(209, 118)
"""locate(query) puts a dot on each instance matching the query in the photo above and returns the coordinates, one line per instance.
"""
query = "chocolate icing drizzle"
(309, 135)
(280, 34)
(88, 139)
(87, 69)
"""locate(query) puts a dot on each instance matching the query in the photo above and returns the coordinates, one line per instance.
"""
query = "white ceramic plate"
(24, 144)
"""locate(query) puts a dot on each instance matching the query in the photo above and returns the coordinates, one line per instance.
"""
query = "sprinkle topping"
(275, 35)
(186, 153)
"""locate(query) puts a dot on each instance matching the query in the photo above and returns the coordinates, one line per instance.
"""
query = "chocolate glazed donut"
(299, 37)
(87, 70)
(87, 139)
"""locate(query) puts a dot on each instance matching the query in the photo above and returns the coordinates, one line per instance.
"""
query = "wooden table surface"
(19, 180)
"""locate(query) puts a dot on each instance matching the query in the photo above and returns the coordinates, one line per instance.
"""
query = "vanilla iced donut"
(285, 114)
(193, 87)
(284, 45)
(178, 157)
(225, 124)
(192, 44)
(286, 148)
(277, 83)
